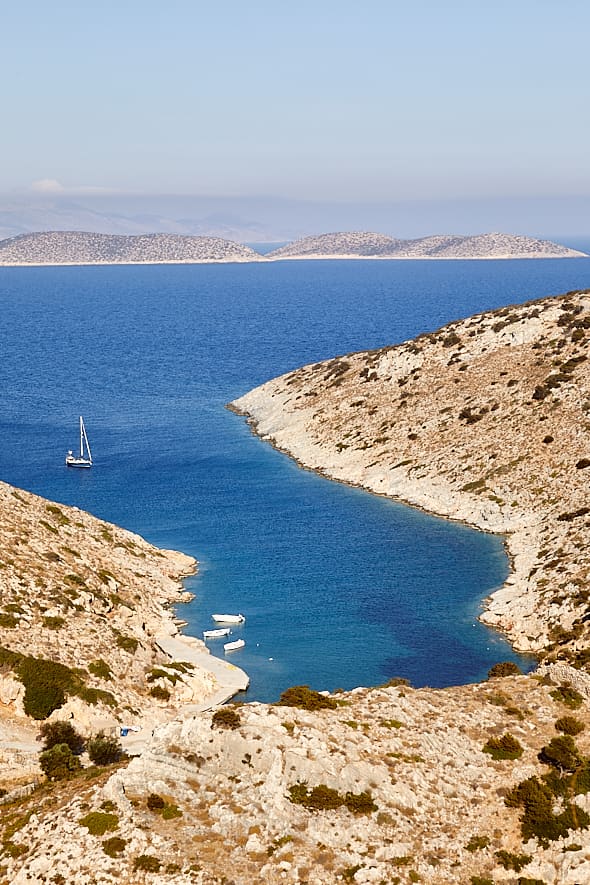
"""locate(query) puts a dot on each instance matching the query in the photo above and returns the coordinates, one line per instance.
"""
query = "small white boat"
(84, 459)
(229, 619)
(216, 634)
(234, 646)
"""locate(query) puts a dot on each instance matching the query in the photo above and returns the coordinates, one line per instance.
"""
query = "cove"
(340, 588)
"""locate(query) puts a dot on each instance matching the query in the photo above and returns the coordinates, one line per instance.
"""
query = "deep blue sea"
(340, 588)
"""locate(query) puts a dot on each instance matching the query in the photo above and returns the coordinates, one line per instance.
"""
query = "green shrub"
(53, 622)
(46, 684)
(524, 880)
(538, 819)
(61, 732)
(8, 620)
(513, 861)
(170, 811)
(127, 643)
(161, 694)
(114, 846)
(100, 669)
(306, 698)
(478, 843)
(506, 747)
(148, 863)
(155, 802)
(504, 668)
(481, 880)
(225, 717)
(569, 725)
(324, 798)
(104, 749)
(561, 753)
(99, 822)
(95, 696)
(567, 695)
(59, 763)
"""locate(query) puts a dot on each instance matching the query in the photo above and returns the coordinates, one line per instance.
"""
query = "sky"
(329, 100)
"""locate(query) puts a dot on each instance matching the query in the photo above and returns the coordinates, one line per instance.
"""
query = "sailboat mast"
(86, 441)
(81, 432)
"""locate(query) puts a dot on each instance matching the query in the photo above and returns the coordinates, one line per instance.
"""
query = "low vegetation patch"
(505, 747)
(99, 822)
(226, 717)
(306, 698)
(324, 798)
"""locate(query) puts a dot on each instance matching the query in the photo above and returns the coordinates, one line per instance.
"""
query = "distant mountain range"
(78, 247)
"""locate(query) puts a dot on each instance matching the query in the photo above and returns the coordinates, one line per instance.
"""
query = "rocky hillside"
(487, 421)
(77, 247)
(371, 245)
(82, 605)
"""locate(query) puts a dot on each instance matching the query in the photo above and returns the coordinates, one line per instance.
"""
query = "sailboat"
(85, 457)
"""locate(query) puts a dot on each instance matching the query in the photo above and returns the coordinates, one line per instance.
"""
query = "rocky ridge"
(78, 247)
(362, 244)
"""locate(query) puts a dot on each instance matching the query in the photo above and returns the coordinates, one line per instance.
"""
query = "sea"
(340, 588)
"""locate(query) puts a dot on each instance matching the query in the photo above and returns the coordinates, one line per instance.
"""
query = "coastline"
(265, 259)
(492, 469)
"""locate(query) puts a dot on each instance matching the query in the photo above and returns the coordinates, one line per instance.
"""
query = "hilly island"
(79, 247)
(487, 421)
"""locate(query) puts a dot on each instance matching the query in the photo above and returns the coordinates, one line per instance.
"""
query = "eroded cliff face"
(487, 421)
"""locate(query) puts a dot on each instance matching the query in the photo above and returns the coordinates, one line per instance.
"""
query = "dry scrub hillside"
(80, 604)
(486, 420)
(389, 785)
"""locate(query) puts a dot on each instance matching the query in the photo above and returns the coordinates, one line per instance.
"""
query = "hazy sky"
(331, 99)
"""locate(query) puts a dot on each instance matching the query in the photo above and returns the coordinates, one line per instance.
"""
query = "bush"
(99, 822)
(113, 846)
(104, 749)
(225, 717)
(148, 863)
(561, 753)
(538, 820)
(161, 694)
(506, 747)
(513, 861)
(155, 802)
(100, 669)
(46, 684)
(61, 732)
(504, 668)
(306, 698)
(567, 695)
(477, 843)
(569, 725)
(59, 763)
(323, 798)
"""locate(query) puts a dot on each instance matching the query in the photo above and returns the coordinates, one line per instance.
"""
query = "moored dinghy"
(229, 619)
(234, 646)
(216, 634)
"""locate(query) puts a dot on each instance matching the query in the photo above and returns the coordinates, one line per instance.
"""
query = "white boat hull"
(229, 619)
(216, 634)
(234, 646)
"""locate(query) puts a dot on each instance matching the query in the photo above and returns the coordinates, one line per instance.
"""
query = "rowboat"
(234, 646)
(229, 619)
(216, 634)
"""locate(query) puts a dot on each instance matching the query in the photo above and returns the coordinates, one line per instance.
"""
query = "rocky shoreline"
(469, 451)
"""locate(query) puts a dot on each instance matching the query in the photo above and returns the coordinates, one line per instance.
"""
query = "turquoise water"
(339, 587)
